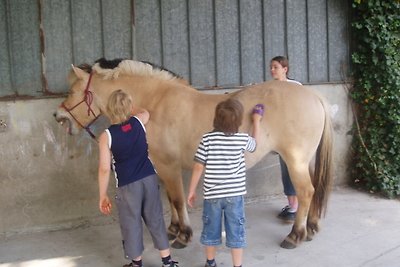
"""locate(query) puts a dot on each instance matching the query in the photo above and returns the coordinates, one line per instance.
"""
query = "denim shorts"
(229, 210)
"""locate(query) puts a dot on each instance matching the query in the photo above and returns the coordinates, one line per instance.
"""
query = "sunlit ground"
(63, 261)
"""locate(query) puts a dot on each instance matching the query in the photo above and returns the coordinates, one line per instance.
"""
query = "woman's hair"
(228, 116)
(119, 107)
(283, 61)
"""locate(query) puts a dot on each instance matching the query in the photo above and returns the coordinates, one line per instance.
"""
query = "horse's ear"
(80, 74)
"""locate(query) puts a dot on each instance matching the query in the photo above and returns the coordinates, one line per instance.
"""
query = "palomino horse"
(296, 124)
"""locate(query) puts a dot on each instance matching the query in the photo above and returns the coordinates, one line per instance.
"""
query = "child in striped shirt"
(221, 156)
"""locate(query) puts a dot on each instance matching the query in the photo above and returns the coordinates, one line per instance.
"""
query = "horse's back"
(293, 120)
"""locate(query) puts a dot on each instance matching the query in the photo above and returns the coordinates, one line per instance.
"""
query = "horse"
(296, 124)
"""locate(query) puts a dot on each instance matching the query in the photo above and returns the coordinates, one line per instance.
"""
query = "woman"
(279, 68)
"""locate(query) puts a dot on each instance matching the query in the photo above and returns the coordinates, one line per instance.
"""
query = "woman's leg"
(288, 187)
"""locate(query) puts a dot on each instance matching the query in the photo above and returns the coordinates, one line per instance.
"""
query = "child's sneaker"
(287, 215)
(171, 264)
(131, 265)
(214, 264)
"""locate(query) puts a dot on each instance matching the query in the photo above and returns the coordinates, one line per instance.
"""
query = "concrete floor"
(359, 230)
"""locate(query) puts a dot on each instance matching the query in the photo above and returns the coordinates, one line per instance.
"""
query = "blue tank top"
(129, 152)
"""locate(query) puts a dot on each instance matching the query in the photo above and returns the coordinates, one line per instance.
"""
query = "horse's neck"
(102, 89)
(142, 89)
(145, 91)
(100, 102)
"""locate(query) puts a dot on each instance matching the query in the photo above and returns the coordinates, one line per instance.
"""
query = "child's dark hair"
(228, 116)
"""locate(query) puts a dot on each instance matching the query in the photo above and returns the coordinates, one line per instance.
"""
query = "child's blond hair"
(119, 107)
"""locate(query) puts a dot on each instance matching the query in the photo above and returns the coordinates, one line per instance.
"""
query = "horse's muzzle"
(64, 120)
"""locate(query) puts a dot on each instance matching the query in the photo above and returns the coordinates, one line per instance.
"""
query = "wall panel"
(251, 40)
(56, 21)
(338, 39)
(148, 31)
(174, 23)
(274, 31)
(317, 41)
(202, 43)
(117, 28)
(6, 87)
(212, 43)
(87, 34)
(296, 23)
(24, 42)
(227, 42)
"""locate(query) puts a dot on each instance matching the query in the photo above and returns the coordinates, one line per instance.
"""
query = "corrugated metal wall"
(223, 43)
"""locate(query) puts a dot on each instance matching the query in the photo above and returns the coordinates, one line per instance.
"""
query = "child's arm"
(104, 174)
(257, 115)
(256, 126)
(142, 114)
(196, 174)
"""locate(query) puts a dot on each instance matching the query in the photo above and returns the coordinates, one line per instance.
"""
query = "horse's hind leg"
(312, 222)
(301, 180)
(313, 217)
(180, 225)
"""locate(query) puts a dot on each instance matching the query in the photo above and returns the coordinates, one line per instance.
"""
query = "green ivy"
(376, 95)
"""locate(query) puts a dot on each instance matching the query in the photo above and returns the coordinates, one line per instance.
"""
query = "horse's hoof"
(288, 245)
(171, 237)
(311, 231)
(178, 245)
(310, 235)
(173, 231)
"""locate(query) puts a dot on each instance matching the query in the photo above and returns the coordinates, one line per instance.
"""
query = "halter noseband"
(87, 99)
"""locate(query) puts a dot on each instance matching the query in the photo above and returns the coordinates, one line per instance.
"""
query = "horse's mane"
(112, 69)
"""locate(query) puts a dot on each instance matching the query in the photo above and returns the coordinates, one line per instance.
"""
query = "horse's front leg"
(179, 229)
(173, 228)
(301, 180)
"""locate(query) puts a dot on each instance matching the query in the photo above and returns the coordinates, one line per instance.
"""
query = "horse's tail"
(323, 175)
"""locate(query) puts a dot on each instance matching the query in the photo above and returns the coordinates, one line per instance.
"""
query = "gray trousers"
(137, 200)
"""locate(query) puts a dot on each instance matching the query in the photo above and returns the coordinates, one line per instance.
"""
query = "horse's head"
(78, 110)
(85, 101)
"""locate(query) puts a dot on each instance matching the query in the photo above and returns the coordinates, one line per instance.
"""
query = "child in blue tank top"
(124, 147)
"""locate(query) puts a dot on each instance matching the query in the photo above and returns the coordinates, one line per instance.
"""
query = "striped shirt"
(223, 157)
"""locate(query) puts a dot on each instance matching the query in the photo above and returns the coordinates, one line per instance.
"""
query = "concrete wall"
(48, 179)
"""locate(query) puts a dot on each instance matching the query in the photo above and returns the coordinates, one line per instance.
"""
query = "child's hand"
(105, 205)
(258, 112)
(191, 199)
(256, 117)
